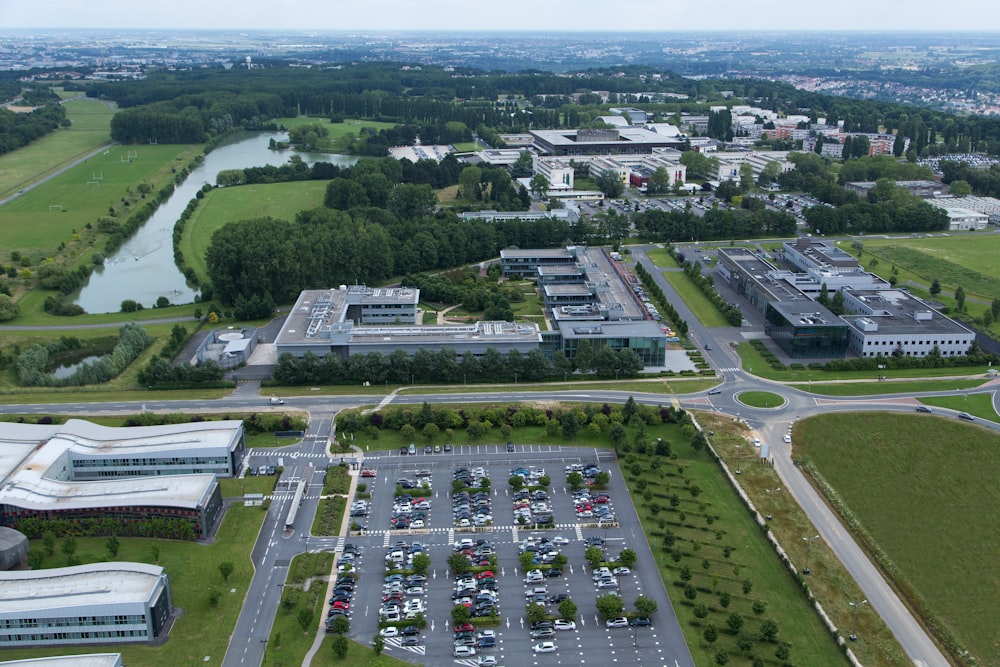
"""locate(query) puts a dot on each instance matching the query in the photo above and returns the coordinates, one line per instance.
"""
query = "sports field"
(90, 129)
(223, 205)
(924, 489)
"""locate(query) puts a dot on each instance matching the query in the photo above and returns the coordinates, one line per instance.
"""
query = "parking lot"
(507, 589)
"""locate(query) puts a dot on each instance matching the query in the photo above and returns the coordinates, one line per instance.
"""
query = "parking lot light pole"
(809, 543)
(854, 621)
(770, 500)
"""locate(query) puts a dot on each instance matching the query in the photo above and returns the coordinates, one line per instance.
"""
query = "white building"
(99, 603)
(888, 322)
(81, 660)
(558, 171)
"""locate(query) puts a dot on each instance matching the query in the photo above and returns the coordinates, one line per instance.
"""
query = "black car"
(410, 640)
(403, 451)
(966, 416)
(447, 447)
(510, 446)
(640, 622)
(410, 630)
(428, 449)
(923, 408)
(553, 572)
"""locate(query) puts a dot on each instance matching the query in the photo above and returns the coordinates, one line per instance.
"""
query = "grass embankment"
(201, 634)
(220, 206)
(89, 130)
(662, 258)
(979, 405)
(923, 491)
(888, 387)
(831, 584)
(753, 362)
(703, 309)
(716, 562)
(298, 614)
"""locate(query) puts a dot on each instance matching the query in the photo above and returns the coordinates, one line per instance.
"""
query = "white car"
(620, 622)
(756, 442)
(621, 571)
(484, 634)
(391, 631)
(788, 438)
(564, 624)
(560, 540)
(464, 652)
(487, 661)
(544, 647)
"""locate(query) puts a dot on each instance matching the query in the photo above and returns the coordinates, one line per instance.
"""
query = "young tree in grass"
(69, 546)
(305, 617)
(628, 557)
(378, 643)
(36, 557)
(567, 609)
(593, 556)
(610, 605)
(49, 542)
(646, 606)
(735, 621)
(959, 298)
(339, 646)
(935, 287)
(769, 631)
(710, 634)
(112, 544)
(226, 569)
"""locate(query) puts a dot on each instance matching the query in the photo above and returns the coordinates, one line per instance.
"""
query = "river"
(143, 268)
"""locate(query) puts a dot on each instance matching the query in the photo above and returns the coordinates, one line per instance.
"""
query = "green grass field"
(221, 206)
(662, 259)
(304, 593)
(90, 129)
(719, 548)
(201, 634)
(703, 309)
(979, 405)
(761, 399)
(967, 260)
(30, 224)
(894, 387)
(924, 489)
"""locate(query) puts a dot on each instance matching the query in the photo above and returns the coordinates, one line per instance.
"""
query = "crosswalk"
(730, 370)
(396, 643)
(288, 496)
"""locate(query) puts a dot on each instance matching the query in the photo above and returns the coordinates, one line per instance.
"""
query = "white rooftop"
(81, 585)
(82, 660)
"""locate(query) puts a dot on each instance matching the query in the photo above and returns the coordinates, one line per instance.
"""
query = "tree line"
(716, 225)
(20, 129)
(446, 366)
(33, 363)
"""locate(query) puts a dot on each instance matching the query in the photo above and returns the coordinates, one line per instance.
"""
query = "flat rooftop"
(94, 585)
(82, 660)
(636, 136)
(485, 332)
(822, 253)
(807, 314)
(537, 253)
(896, 312)
(623, 329)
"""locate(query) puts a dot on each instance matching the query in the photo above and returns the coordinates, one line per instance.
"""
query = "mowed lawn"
(223, 205)
(90, 129)
(925, 489)
(32, 223)
(703, 309)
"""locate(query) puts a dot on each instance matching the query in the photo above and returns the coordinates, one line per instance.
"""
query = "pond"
(68, 369)
(143, 268)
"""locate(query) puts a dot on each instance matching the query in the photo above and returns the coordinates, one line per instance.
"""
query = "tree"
(610, 184)
(935, 287)
(378, 643)
(526, 559)
(960, 188)
(746, 177)
(9, 309)
(421, 563)
(458, 564)
(584, 359)
(575, 480)
(69, 546)
(768, 631)
(567, 609)
(539, 185)
(710, 634)
(36, 558)
(628, 557)
(610, 605)
(659, 182)
(593, 556)
(431, 431)
(735, 621)
(461, 614)
(49, 542)
(959, 298)
(225, 569)
(536, 612)
(305, 617)
(516, 482)
(339, 646)
(646, 606)
(112, 544)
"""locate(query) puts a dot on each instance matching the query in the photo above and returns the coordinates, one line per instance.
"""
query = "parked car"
(620, 622)
(544, 647)
(641, 622)
(464, 652)
(564, 624)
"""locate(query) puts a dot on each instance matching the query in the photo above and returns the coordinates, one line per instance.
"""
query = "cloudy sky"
(576, 15)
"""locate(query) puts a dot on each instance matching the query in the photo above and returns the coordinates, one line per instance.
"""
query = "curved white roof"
(81, 585)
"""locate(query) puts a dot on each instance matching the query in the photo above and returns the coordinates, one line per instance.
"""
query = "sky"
(521, 15)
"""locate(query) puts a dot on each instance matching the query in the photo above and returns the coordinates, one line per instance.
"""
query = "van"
(412, 449)
(274, 400)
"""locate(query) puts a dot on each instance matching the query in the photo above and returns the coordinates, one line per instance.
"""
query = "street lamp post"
(770, 500)
(854, 620)
(738, 471)
(809, 543)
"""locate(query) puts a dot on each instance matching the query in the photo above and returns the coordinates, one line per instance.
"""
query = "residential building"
(101, 603)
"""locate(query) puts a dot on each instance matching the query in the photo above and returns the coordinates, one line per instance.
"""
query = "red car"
(486, 575)
(367, 472)
(392, 596)
(341, 605)
(464, 627)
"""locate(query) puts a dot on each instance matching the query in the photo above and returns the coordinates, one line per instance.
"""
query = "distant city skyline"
(520, 15)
